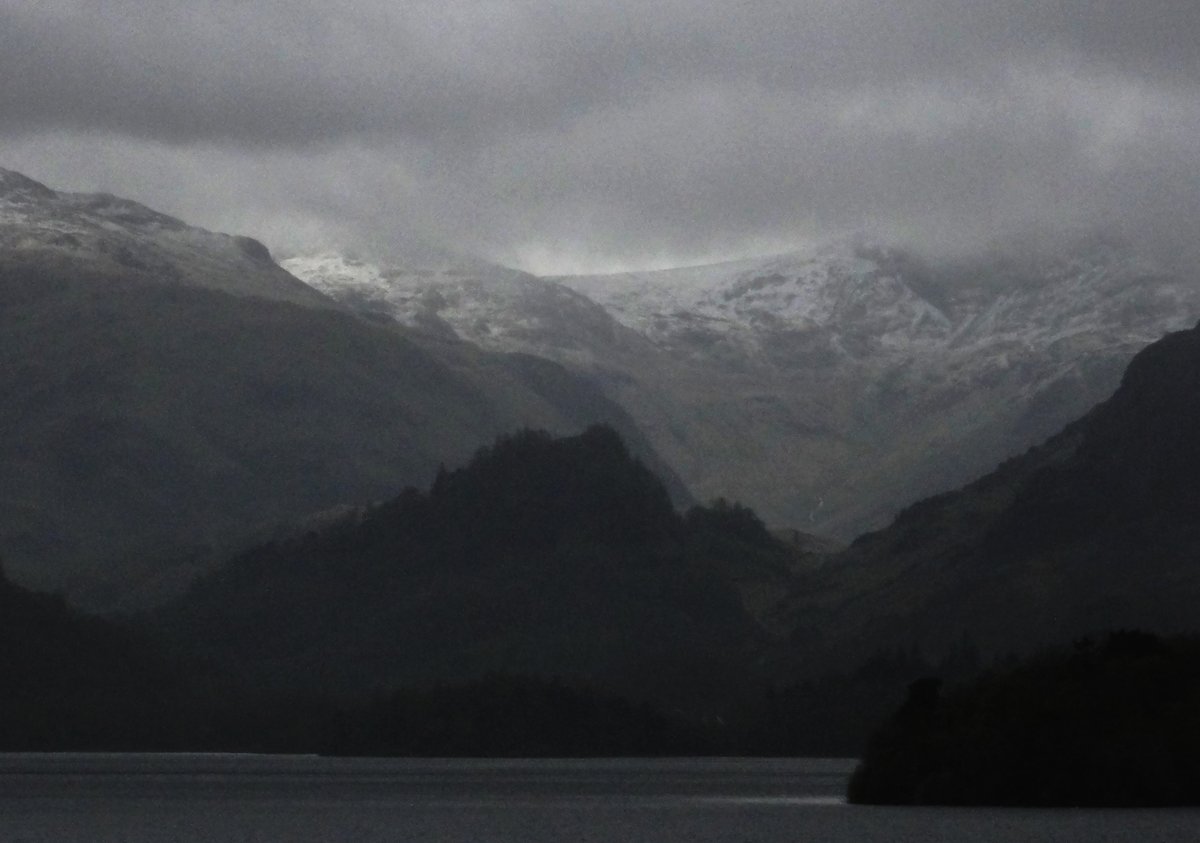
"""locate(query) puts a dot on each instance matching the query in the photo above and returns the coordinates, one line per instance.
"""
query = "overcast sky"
(588, 135)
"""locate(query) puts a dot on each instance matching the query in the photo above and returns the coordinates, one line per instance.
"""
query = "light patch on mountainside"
(825, 388)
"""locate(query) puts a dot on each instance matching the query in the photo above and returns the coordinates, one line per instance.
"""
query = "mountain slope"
(163, 406)
(1097, 528)
(826, 388)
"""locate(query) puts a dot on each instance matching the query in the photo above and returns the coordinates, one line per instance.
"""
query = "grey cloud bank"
(593, 136)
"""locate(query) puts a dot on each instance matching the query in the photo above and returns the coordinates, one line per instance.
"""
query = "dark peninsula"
(1114, 722)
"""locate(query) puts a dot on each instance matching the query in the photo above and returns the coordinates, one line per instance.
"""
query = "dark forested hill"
(1109, 722)
(1097, 528)
(542, 556)
(69, 682)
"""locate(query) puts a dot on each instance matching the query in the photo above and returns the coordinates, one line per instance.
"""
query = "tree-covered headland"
(1110, 722)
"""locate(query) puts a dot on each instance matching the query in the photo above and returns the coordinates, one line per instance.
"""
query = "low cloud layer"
(602, 135)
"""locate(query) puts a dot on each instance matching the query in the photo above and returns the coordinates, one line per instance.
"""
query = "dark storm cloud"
(296, 72)
(617, 132)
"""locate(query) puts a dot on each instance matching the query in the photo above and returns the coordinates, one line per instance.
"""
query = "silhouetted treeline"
(69, 682)
(833, 714)
(1114, 722)
(498, 716)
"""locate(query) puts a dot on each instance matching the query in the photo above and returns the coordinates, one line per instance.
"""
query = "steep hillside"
(170, 393)
(826, 388)
(1095, 529)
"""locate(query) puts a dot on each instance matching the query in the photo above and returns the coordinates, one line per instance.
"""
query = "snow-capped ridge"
(493, 306)
(116, 237)
(15, 186)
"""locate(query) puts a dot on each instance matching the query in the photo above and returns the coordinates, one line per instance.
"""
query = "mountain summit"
(121, 238)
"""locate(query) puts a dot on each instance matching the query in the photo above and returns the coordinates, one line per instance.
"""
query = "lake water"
(248, 799)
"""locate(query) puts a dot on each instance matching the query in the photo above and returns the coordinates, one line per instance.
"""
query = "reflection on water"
(147, 798)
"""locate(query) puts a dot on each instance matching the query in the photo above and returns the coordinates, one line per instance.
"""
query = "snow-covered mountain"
(826, 388)
(492, 306)
(870, 302)
(745, 303)
(119, 237)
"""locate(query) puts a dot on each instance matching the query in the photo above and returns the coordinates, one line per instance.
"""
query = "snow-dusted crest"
(854, 374)
(117, 236)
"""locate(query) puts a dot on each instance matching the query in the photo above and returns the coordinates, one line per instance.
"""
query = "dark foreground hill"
(548, 557)
(73, 682)
(78, 683)
(169, 392)
(1113, 723)
(1097, 528)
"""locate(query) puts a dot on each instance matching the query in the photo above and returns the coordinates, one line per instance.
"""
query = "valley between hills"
(363, 505)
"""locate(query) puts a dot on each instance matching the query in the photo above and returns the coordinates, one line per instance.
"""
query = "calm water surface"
(144, 798)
